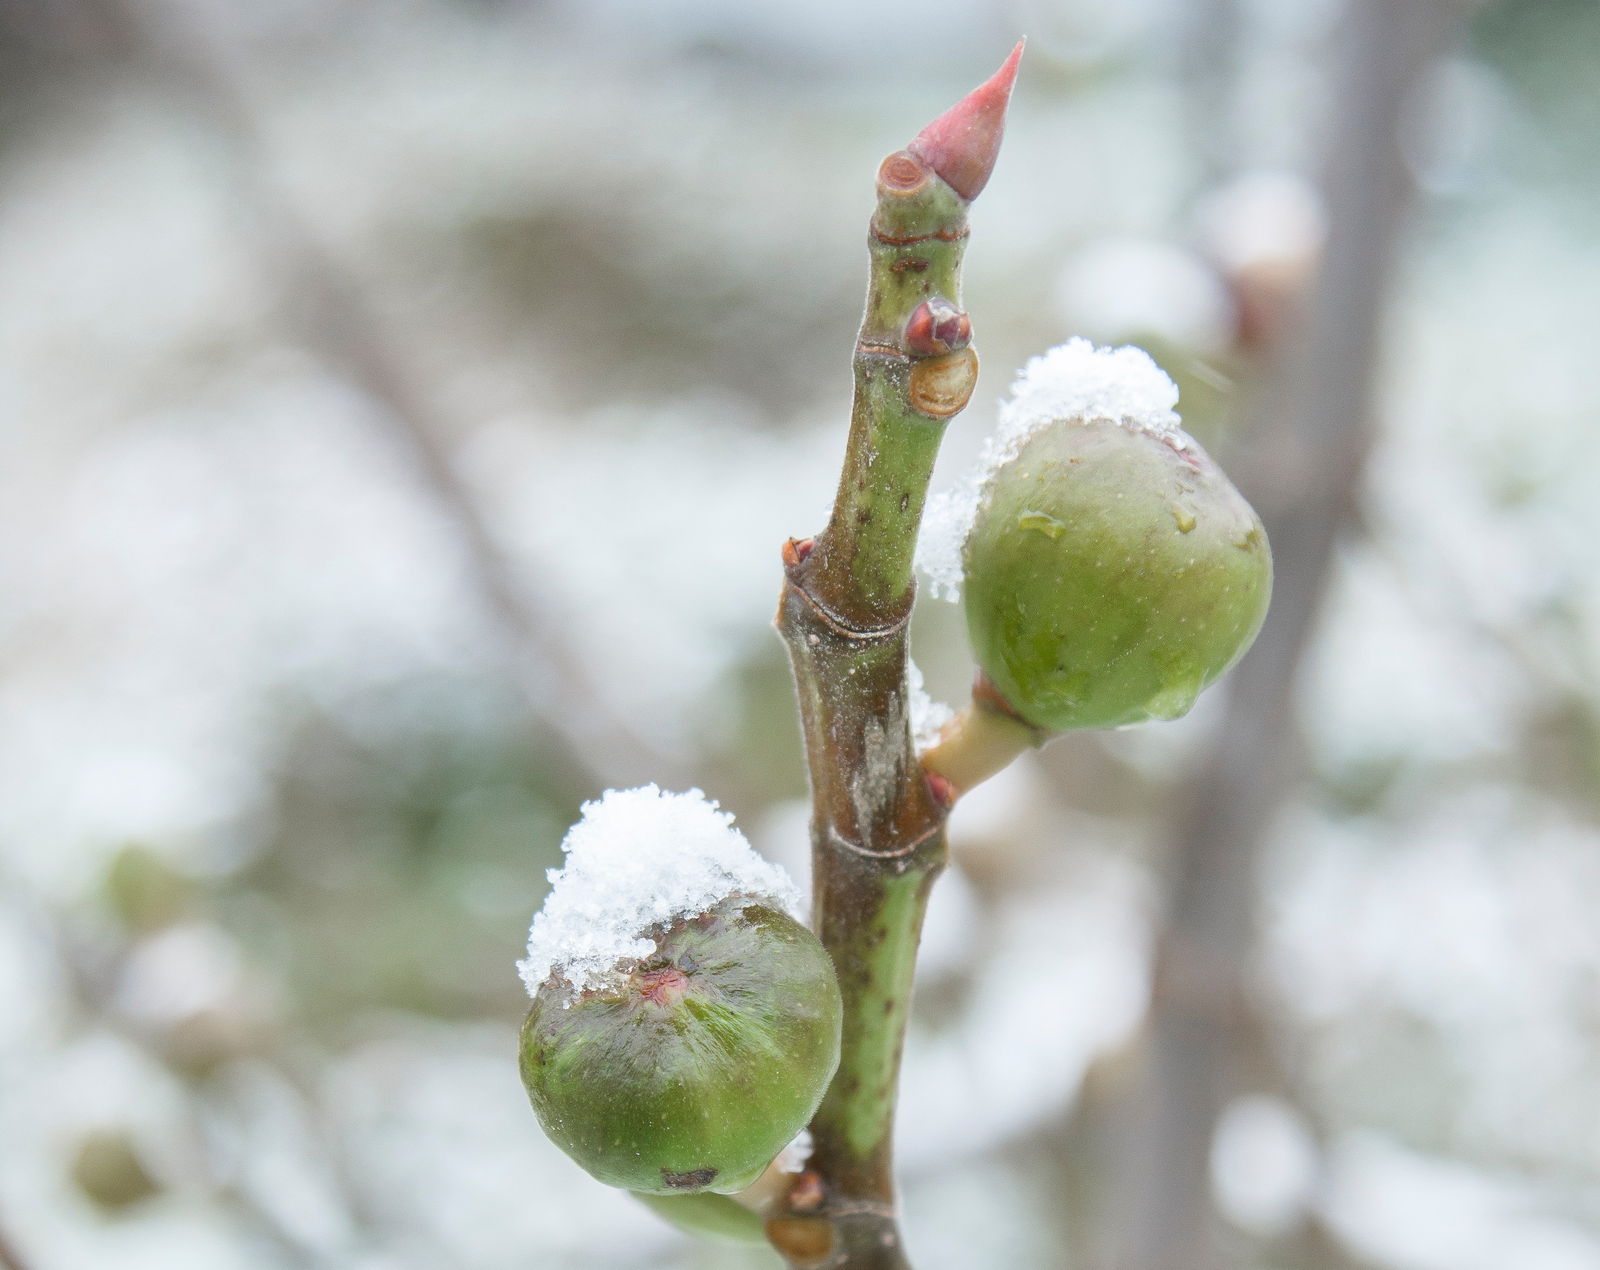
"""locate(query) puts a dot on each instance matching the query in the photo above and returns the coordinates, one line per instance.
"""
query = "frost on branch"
(1073, 380)
(640, 859)
(928, 716)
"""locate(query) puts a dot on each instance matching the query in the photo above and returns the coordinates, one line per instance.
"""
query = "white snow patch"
(1075, 380)
(1125, 285)
(792, 1159)
(928, 716)
(1264, 1165)
(639, 859)
(1263, 218)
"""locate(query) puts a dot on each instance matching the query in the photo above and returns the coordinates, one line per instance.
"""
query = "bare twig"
(10, 1258)
(1305, 478)
(877, 830)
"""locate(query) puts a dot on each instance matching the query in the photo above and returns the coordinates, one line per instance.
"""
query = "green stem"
(979, 742)
(877, 830)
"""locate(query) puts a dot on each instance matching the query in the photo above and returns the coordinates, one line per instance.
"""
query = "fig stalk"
(984, 738)
(878, 839)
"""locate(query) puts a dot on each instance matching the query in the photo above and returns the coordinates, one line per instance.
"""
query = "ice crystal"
(928, 716)
(792, 1159)
(1074, 380)
(640, 859)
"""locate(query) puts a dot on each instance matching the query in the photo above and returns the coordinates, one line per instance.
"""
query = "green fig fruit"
(709, 1216)
(694, 1067)
(1111, 573)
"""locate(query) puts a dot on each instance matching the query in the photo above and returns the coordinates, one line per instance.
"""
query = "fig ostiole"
(1108, 568)
(684, 1025)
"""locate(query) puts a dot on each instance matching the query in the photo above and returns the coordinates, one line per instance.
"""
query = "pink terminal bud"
(962, 144)
(936, 326)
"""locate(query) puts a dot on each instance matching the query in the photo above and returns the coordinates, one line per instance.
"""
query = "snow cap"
(1074, 380)
(640, 859)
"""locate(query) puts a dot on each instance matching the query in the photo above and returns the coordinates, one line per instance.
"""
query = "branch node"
(902, 852)
(848, 630)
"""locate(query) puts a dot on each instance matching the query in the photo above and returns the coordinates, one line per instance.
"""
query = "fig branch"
(877, 830)
(685, 1026)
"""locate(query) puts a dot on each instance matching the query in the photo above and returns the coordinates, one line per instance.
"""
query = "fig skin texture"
(701, 1066)
(1112, 573)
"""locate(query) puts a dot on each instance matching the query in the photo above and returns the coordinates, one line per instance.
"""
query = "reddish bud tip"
(795, 551)
(962, 144)
(937, 326)
(942, 791)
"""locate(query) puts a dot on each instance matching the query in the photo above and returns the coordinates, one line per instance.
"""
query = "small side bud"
(796, 551)
(935, 327)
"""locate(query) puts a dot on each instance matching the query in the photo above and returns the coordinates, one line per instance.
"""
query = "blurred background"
(401, 407)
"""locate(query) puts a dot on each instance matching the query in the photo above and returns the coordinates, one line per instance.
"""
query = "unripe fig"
(695, 1069)
(1110, 571)
(684, 1025)
(709, 1216)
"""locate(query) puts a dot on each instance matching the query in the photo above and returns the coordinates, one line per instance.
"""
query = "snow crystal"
(638, 859)
(792, 1159)
(1073, 380)
(928, 716)
(1078, 380)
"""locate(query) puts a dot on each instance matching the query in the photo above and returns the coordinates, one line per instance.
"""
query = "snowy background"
(401, 407)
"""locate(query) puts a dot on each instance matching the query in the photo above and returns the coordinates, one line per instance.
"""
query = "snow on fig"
(1110, 571)
(684, 1024)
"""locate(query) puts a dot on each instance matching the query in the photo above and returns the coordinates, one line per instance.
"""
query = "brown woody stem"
(877, 832)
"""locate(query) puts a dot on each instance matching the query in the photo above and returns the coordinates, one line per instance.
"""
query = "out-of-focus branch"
(87, 985)
(326, 303)
(1304, 475)
(10, 1258)
(1208, 71)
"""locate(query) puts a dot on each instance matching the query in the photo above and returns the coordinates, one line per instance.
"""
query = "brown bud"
(937, 326)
